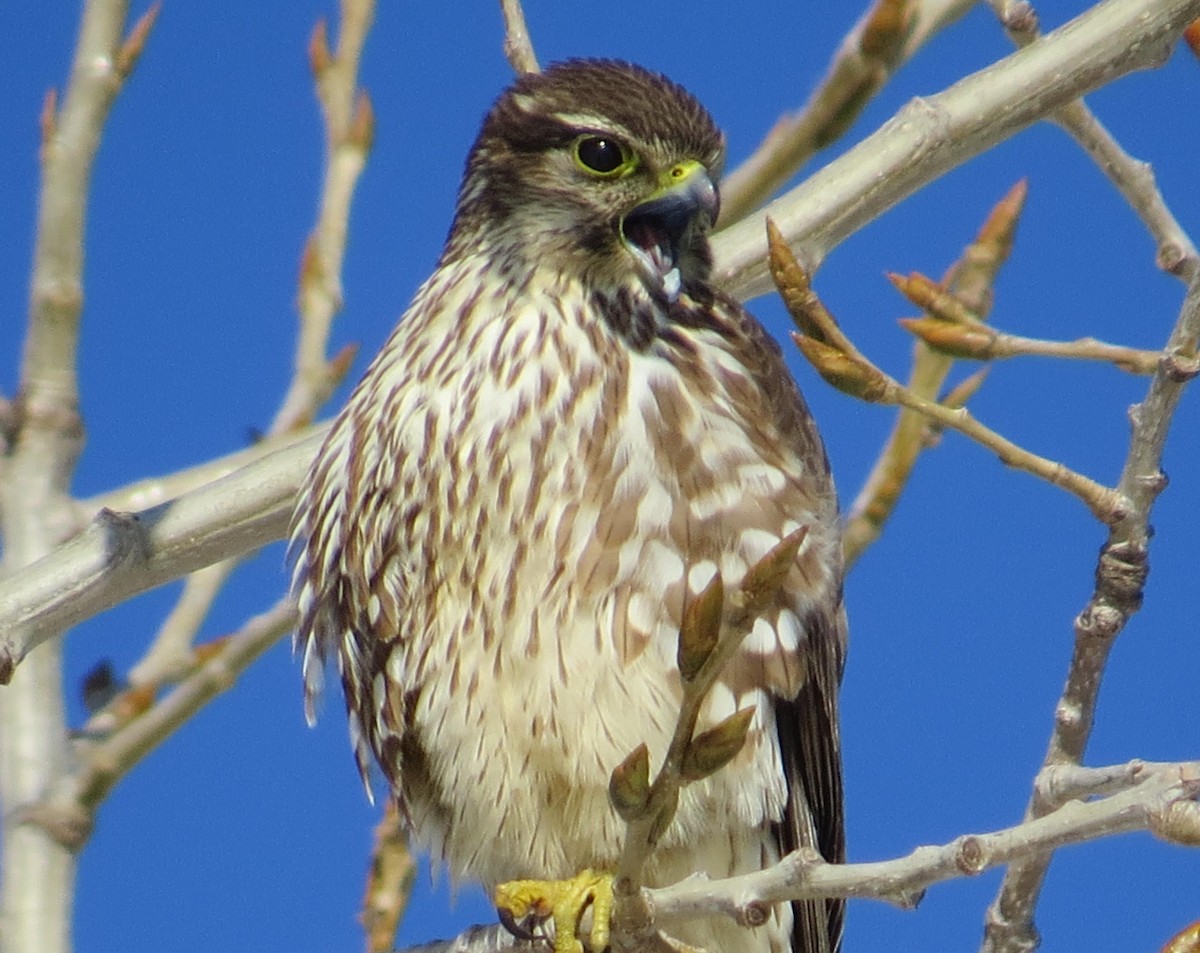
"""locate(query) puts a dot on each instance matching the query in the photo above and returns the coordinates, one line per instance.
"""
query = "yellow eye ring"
(601, 155)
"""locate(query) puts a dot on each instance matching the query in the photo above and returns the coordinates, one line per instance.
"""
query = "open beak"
(654, 231)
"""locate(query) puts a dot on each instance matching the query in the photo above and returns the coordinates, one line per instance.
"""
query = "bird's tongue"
(649, 235)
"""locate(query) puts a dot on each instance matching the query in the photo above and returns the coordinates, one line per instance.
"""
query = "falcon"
(568, 434)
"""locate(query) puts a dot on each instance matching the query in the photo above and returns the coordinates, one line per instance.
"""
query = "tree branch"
(931, 136)
(1123, 566)
(903, 881)
(969, 281)
(349, 132)
(876, 46)
(1154, 794)
(45, 436)
(518, 47)
(120, 555)
(67, 811)
(1120, 579)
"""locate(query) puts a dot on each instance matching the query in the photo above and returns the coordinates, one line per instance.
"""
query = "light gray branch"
(46, 435)
(931, 136)
(120, 555)
(1163, 792)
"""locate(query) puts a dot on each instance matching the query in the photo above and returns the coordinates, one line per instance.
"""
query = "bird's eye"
(600, 155)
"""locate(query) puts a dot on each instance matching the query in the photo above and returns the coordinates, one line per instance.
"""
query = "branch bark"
(931, 136)
(1144, 804)
(47, 434)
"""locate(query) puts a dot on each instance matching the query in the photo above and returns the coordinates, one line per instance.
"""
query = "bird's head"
(605, 169)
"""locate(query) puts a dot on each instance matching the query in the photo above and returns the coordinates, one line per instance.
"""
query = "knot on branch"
(753, 914)
(70, 825)
(1178, 823)
(1180, 367)
(972, 857)
(1121, 575)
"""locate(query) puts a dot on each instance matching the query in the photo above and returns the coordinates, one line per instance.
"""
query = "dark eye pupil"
(600, 155)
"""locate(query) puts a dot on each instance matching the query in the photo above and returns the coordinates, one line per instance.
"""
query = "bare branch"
(518, 47)
(843, 366)
(1142, 805)
(902, 881)
(969, 283)
(877, 45)
(1120, 578)
(931, 136)
(349, 131)
(1123, 566)
(46, 437)
(1133, 179)
(389, 881)
(74, 798)
(118, 555)
(988, 344)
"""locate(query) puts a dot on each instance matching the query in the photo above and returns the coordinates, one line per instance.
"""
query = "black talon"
(516, 927)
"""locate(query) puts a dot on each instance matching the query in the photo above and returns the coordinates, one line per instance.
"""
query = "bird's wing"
(810, 744)
(808, 729)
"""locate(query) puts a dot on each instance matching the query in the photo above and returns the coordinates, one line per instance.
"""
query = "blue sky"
(247, 830)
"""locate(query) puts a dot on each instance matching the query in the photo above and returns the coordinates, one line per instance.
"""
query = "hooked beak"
(654, 231)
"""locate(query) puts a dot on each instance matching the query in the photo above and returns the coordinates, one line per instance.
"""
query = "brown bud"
(1186, 940)
(1000, 228)
(319, 56)
(764, 580)
(854, 377)
(1178, 824)
(933, 299)
(362, 126)
(885, 30)
(629, 785)
(48, 121)
(964, 390)
(131, 49)
(711, 750)
(954, 340)
(795, 287)
(700, 628)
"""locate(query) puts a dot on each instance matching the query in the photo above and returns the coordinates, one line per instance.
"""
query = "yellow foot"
(521, 901)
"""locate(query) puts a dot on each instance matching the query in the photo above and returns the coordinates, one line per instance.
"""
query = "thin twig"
(74, 798)
(988, 344)
(349, 132)
(902, 881)
(933, 135)
(1060, 783)
(390, 880)
(876, 46)
(1123, 566)
(1132, 178)
(842, 365)
(970, 282)
(518, 47)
